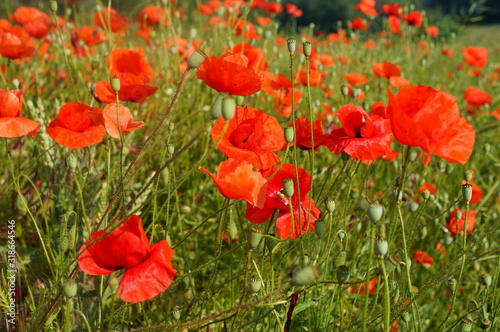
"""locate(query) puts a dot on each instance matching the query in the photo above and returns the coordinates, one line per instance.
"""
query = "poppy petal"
(17, 127)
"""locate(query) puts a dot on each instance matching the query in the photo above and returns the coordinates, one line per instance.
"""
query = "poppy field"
(209, 166)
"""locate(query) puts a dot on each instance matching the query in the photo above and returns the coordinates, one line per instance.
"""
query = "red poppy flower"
(475, 56)
(432, 31)
(16, 44)
(386, 69)
(393, 9)
(378, 111)
(12, 124)
(361, 289)
(110, 19)
(448, 52)
(35, 22)
(245, 29)
(210, 7)
(273, 8)
(457, 226)
(303, 134)
(229, 73)
(281, 87)
(90, 35)
(422, 258)
(427, 186)
(148, 268)
(252, 136)
(263, 21)
(132, 88)
(122, 60)
(292, 10)
(367, 7)
(73, 127)
(399, 82)
(151, 15)
(421, 116)
(109, 118)
(359, 24)
(356, 78)
(256, 59)
(237, 180)
(414, 18)
(394, 24)
(476, 97)
(361, 137)
(303, 216)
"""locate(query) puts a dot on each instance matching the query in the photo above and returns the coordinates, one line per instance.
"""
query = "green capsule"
(288, 187)
(305, 276)
(343, 272)
(70, 288)
(255, 284)
(467, 192)
(374, 212)
(254, 235)
(319, 228)
(340, 259)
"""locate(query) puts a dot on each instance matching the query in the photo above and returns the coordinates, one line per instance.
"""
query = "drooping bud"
(306, 276)
(196, 59)
(340, 259)
(170, 149)
(343, 272)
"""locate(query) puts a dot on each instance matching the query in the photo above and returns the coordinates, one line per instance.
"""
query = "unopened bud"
(70, 288)
(289, 134)
(115, 84)
(196, 59)
(288, 188)
(228, 108)
(306, 276)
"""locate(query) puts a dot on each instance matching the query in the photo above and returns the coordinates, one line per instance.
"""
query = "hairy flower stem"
(367, 277)
(387, 298)
(146, 141)
(309, 103)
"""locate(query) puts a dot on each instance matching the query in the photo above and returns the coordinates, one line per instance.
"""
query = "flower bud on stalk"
(288, 188)
(306, 276)
(196, 59)
(289, 134)
(254, 236)
(228, 108)
(343, 273)
(291, 45)
(306, 47)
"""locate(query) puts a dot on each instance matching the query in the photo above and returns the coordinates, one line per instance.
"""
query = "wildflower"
(476, 97)
(356, 78)
(73, 127)
(432, 31)
(475, 56)
(361, 289)
(12, 124)
(367, 7)
(132, 89)
(427, 186)
(35, 22)
(386, 69)
(255, 56)
(414, 18)
(148, 268)
(423, 258)
(303, 134)
(252, 136)
(16, 43)
(110, 19)
(457, 226)
(421, 116)
(361, 137)
(229, 73)
(130, 61)
(110, 117)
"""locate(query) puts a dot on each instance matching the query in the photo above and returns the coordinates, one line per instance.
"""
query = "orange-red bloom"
(129, 61)
(292, 10)
(237, 180)
(132, 89)
(414, 18)
(148, 268)
(252, 136)
(457, 226)
(361, 289)
(35, 22)
(229, 73)
(12, 124)
(476, 97)
(367, 7)
(361, 137)
(427, 186)
(356, 78)
(303, 135)
(432, 31)
(73, 127)
(110, 19)
(386, 69)
(151, 15)
(421, 116)
(422, 258)
(256, 59)
(16, 44)
(475, 56)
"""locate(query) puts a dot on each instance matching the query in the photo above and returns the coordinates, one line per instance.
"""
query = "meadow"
(207, 166)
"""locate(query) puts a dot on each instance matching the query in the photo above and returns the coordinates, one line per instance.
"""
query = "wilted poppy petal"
(151, 277)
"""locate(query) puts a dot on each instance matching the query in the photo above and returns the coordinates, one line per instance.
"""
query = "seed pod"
(319, 228)
(381, 246)
(196, 59)
(216, 109)
(375, 212)
(288, 188)
(254, 235)
(465, 325)
(170, 149)
(452, 284)
(330, 205)
(306, 276)
(449, 169)
(467, 192)
(413, 206)
(468, 175)
(72, 161)
(53, 6)
(176, 312)
(485, 323)
(291, 43)
(343, 273)
(306, 47)
(255, 284)
(115, 84)
(426, 194)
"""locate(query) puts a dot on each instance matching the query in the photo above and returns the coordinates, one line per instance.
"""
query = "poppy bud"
(343, 273)
(72, 236)
(381, 246)
(53, 6)
(406, 317)
(306, 47)
(240, 100)
(330, 205)
(340, 258)
(319, 228)
(289, 134)
(412, 156)
(467, 192)
(486, 280)
(288, 188)
(447, 240)
(185, 209)
(354, 192)
(21, 204)
(171, 126)
(375, 212)
(413, 206)
(254, 235)
(458, 214)
(72, 161)
(115, 84)
(441, 165)
(356, 92)
(228, 108)
(426, 194)
(341, 234)
(70, 287)
(196, 59)
(344, 90)
(449, 169)
(255, 284)
(16, 83)
(63, 244)
(176, 312)
(468, 176)
(291, 45)
(306, 276)
(452, 284)
(486, 146)
(232, 229)
(216, 109)
(170, 149)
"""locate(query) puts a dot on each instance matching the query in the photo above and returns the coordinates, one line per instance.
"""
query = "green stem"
(367, 278)
(387, 298)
